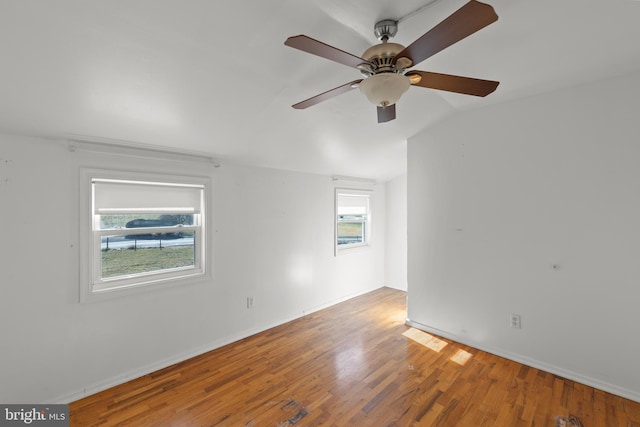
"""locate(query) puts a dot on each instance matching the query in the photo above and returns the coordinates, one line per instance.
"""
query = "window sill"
(97, 295)
(343, 250)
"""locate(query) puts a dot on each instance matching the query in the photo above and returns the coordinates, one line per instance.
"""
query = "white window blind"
(352, 204)
(117, 196)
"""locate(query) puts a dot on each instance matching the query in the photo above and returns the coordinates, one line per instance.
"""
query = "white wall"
(395, 270)
(273, 240)
(498, 196)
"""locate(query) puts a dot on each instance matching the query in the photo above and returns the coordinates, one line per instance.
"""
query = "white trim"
(574, 376)
(353, 179)
(132, 149)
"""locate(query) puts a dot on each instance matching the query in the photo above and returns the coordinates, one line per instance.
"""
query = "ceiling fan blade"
(470, 18)
(315, 47)
(450, 83)
(386, 114)
(326, 95)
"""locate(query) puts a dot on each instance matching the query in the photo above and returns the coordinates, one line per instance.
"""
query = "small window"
(353, 219)
(144, 231)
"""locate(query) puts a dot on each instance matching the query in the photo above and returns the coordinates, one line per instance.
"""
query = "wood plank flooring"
(353, 364)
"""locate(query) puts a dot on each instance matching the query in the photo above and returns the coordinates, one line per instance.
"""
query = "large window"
(353, 219)
(143, 230)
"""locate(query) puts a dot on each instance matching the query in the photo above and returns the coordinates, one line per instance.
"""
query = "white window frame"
(93, 287)
(350, 247)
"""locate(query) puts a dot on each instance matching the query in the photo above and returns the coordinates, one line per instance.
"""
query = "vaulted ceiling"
(215, 76)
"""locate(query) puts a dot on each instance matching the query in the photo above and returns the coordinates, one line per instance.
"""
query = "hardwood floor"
(354, 364)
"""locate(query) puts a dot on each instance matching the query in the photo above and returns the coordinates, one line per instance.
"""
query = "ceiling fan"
(384, 66)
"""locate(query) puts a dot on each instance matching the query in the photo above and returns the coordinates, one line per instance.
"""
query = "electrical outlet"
(249, 302)
(516, 321)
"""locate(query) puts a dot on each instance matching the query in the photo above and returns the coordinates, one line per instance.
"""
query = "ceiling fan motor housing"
(382, 56)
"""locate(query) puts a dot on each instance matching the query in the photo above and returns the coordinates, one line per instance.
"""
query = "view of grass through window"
(138, 251)
(129, 261)
(351, 229)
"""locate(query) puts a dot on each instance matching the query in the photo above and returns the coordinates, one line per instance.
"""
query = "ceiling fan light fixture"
(383, 65)
(384, 89)
(414, 79)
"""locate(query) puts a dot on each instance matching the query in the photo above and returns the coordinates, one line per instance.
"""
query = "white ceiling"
(214, 76)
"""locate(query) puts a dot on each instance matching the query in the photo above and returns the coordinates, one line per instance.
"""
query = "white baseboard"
(181, 357)
(565, 373)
